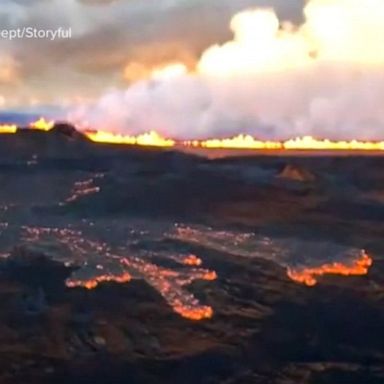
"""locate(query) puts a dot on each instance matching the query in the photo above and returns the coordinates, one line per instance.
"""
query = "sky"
(274, 69)
(113, 42)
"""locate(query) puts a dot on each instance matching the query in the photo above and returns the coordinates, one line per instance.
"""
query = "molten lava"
(42, 125)
(93, 283)
(238, 142)
(300, 143)
(96, 264)
(84, 188)
(192, 260)
(8, 128)
(200, 313)
(308, 276)
(248, 142)
(150, 139)
(309, 143)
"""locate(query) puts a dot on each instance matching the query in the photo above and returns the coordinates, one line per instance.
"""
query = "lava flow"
(93, 283)
(300, 143)
(42, 125)
(308, 276)
(97, 263)
(353, 262)
(246, 142)
(8, 128)
(84, 188)
(153, 138)
(150, 139)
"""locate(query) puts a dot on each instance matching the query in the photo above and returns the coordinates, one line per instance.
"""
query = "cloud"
(9, 70)
(272, 79)
(110, 36)
(97, 2)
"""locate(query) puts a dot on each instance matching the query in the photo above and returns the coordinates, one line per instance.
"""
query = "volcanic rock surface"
(291, 172)
(188, 234)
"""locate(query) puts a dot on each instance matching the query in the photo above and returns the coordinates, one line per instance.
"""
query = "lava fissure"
(155, 139)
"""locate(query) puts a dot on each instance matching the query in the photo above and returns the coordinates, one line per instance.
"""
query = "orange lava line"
(168, 283)
(93, 283)
(308, 276)
(200, 313)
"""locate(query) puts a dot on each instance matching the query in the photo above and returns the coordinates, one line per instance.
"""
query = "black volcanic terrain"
(122, 264)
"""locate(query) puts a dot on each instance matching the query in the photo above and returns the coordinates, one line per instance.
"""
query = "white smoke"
(274, 81)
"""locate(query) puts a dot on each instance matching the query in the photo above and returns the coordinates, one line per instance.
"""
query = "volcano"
(128, 256)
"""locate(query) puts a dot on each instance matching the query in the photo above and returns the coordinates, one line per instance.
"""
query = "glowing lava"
(42, 125)
(93, 283)
(84, 188)
(150, 139)
(300, 143)
(8, 128)
(238, 142)
(308, 276)
(309, 143)
(350, 261)
(97, 263)
(246, 142)
(192, 260)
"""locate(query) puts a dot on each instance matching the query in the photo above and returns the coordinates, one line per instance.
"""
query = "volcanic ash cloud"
(273, 80)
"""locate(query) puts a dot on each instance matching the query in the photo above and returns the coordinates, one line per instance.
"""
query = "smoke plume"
(273, 80)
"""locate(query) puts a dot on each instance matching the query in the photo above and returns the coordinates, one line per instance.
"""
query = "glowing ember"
(42, 125)
(308, 276)
(150, 139)
(8, 128)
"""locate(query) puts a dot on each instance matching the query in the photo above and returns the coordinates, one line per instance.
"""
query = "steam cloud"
(273, 80)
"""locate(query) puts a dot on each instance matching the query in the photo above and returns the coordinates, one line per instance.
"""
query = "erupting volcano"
(274, 85)
(154, 139)
(192, 191)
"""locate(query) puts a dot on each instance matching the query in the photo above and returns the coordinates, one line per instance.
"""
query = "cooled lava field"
(122, 264)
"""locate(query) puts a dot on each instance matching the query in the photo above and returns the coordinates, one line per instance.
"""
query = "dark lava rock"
(265, 328)
(296, 173)
(68, 131)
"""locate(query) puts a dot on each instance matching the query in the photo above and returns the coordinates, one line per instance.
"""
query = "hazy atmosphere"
(107, 38)
(198, 69)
